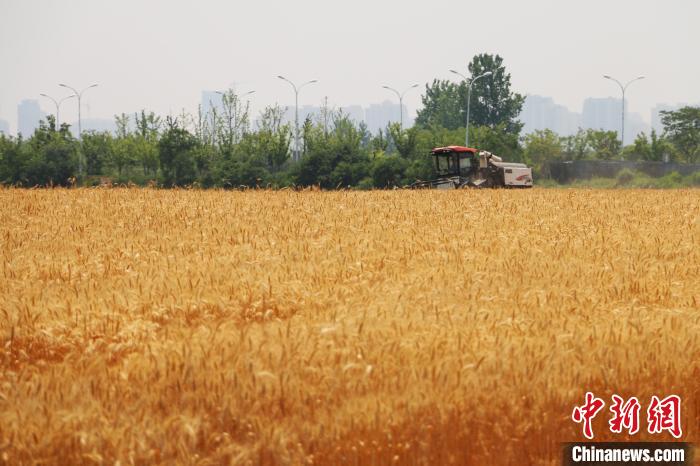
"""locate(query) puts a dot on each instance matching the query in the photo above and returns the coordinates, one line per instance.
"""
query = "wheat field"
(142, 326)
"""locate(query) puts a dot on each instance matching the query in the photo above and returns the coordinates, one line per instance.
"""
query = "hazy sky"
(160, 55)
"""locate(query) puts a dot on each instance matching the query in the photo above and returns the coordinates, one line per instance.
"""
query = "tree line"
(223, 148)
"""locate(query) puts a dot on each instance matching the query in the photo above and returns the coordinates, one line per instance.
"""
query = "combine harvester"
(465, 167)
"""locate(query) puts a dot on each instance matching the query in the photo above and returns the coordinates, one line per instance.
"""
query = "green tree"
(334, 156)
(234, 120)
(682, 127)
(273, 138)
(540, 148)
(123, 154)
(145, 144)
(653, 148)
(316, 168)
(52, 156)
(443, 104)
(245, 166)
(437, 136)
(605, 145)
(379, 143)
(405, 140)
(97, 149)
(176, 151)
(420, 168)
(496, 140)
(493, 103)
(576, 147)
(147, 124)
(145, 153)
(205, 157)
(13, 160)
(388, 171)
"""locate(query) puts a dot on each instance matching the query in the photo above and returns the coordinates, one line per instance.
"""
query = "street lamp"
(469, 94)
(245, 93)
(296, 117)
(79, 95)
(400, 96)
(223, 94)
(623, 89)
(58, 106)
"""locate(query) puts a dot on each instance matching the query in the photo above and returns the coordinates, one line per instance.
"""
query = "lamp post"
(400, 96)
(224, 99)
(58, 106)
(623, 89)
(296, 112)
(469, 94)
(79, 95)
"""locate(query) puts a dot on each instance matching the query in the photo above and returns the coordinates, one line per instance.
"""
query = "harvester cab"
(455, 160)
(458, 166)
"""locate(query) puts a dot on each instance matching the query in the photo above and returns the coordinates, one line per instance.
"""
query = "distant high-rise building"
(355, 112)
(540, 113)
(28, 117)
(378, 116)
(211, 99)
(634, 125)
(307, 111)
(598, 113)
(4, 127)
(606, 114)
(602, 113)
(315, 113)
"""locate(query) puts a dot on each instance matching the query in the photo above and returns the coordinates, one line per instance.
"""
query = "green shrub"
(388, 171)
(672, 180)
(625, 176)
(548, 183)
(366, 184)
(642, 180)
(692, 180)
(598, 183)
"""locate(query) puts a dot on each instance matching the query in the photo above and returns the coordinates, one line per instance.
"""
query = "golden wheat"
(143, 326)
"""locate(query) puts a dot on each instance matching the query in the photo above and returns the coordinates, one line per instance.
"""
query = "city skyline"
(539, 112)
(649, 118)
(171, 50)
